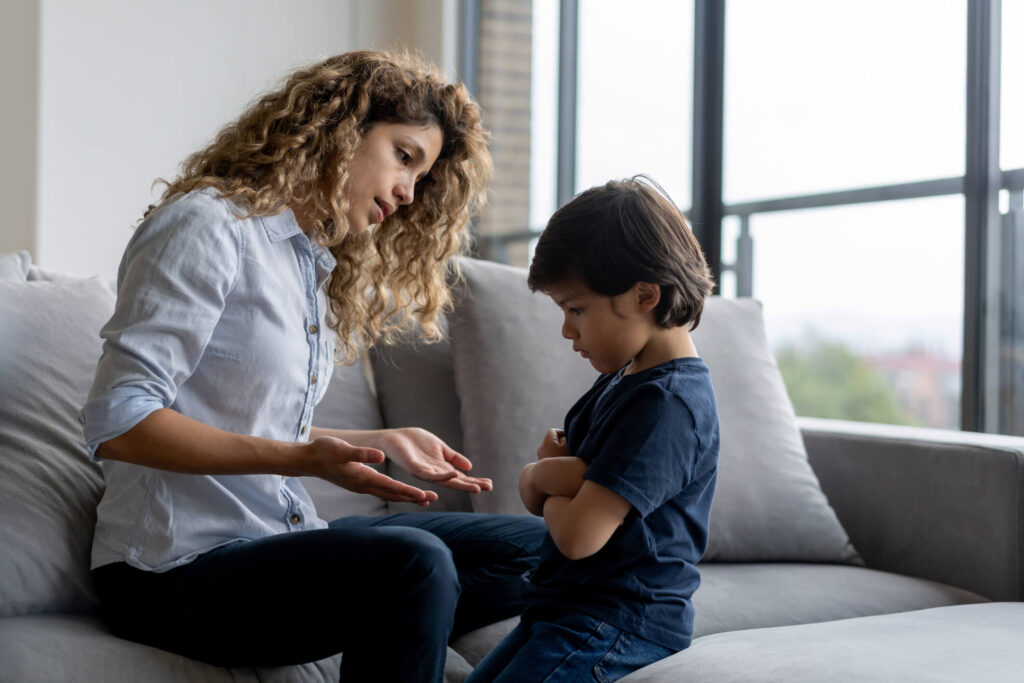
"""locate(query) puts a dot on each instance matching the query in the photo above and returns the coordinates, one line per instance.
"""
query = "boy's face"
(609, 331)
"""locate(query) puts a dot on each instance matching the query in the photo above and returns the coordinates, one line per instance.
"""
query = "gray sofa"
(839, 551)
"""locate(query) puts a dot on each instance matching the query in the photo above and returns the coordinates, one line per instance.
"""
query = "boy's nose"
(567, 331)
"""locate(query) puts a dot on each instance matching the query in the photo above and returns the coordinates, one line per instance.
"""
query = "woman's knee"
(421, 557)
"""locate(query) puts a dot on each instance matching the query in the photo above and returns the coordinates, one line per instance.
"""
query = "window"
(632, 118)
(846, 201)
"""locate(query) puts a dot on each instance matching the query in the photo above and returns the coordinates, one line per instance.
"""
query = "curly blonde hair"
(280, 151)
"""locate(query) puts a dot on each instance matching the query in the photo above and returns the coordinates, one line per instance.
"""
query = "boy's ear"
(648, 295)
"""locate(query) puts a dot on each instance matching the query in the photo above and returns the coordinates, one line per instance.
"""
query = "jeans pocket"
(627, 654)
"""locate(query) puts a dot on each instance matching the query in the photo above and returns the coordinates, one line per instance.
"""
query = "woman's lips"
(384, 209)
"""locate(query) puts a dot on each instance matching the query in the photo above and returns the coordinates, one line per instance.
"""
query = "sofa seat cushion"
(961, 643)
(78, 648)
(733, 597)
(58, 647)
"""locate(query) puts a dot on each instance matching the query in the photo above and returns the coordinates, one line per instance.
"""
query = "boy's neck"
(662, 346)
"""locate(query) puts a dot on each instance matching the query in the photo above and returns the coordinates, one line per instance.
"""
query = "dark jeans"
(569, 648)
(385, 590)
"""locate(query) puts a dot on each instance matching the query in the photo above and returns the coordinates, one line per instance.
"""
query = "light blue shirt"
(221, 319)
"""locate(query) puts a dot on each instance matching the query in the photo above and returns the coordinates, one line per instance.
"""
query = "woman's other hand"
(427, 457)
(554, 445)
(345, 465)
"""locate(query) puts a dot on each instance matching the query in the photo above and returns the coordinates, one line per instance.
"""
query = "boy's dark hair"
(615, 235)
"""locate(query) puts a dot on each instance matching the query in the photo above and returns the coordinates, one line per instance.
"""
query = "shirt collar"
(282, 226)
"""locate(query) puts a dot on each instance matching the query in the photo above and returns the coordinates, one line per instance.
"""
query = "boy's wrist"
(531, 496)
(561, 476)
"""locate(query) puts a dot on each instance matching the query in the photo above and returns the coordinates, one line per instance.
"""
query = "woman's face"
(383, 173)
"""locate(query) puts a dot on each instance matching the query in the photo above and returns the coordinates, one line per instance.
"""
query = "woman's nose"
(405, 191)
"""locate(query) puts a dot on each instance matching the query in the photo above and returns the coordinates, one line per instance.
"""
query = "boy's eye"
(575, 310)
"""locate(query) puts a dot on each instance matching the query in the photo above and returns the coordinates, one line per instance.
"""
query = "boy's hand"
(554, 445)
(560, 476)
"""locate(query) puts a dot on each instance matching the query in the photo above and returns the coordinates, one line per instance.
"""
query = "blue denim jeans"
(383, 590)
(567, 648)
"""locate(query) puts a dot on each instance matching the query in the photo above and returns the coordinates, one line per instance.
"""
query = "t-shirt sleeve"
(177, 272)
(648, 450)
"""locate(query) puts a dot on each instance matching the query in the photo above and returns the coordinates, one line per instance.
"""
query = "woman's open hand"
(343, 464)
(427, 457)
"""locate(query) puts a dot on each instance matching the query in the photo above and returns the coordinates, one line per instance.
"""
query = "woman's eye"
(403, 156)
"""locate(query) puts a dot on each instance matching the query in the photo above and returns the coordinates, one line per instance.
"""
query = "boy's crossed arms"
(580, 515)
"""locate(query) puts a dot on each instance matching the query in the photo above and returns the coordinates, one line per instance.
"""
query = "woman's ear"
(648, 295)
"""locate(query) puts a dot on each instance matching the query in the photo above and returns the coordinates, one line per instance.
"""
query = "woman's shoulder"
(200, 220)
(206, 200)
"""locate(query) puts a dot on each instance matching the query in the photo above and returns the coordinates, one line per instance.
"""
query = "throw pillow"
(14, 266)
(49, 346)
(516, 377)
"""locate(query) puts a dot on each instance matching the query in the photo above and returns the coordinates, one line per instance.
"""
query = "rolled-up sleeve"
(176, 275)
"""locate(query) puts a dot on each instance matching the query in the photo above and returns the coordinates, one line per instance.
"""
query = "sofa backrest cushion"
(416, 388)
(516, 377)
(49, 346)
(348, 403)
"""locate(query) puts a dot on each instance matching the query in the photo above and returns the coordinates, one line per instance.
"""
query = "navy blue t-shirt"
(652, 438)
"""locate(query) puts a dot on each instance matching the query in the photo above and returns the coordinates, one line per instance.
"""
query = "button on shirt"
(220, 318)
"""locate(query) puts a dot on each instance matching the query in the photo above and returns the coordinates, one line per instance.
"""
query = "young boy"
(626, 488)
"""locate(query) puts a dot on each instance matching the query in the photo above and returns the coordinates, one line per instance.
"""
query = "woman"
(217, 353)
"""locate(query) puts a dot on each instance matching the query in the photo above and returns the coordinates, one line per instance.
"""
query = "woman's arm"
(582, 525)
(167, 440)
(418, 452)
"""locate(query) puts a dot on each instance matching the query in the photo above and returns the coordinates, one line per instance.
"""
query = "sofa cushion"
(416, 388)
(515, 377)
(14, 266)
(768, 504)
(962, 643)
(348, 403)
(87, 652)
(734, 597)
(49, 343)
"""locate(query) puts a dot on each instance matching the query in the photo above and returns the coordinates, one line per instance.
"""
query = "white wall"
(115, 93)
(129, 88)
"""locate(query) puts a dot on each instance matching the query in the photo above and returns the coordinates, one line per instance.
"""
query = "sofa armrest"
(940, 505)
